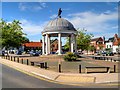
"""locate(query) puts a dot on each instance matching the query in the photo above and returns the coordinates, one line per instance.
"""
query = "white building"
(113, 43)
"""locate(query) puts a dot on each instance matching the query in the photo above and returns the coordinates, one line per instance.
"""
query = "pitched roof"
(117, 42)
(52, 41)
(33, 44)
(111, 39)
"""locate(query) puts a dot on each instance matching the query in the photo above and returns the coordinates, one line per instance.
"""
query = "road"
(12, 78)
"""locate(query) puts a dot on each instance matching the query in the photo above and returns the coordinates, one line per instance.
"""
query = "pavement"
(64, 77)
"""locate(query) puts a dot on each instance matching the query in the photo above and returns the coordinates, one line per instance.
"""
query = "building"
(98, 43)
(113, 43)
(32, 46)
(54, 45)
(38, 45)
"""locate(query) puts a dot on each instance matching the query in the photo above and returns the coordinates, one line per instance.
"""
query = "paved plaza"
(71, 67)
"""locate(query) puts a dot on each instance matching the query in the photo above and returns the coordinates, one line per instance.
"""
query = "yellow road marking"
(52, 81)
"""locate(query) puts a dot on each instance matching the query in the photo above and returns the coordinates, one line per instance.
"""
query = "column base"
(46, 54)
(59, 54)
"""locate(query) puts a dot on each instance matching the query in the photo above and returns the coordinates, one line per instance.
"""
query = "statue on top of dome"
(59, 12)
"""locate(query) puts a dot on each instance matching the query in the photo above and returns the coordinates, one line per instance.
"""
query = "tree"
(92, 48)
(12, 34)
(83, 40)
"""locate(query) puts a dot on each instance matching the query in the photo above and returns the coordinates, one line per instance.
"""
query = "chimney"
(103, 39)
(40, 41)
(116, 36)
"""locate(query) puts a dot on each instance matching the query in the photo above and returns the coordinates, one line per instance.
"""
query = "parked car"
(4, 53)
(19, 53)
(77, 54)
(104, 53)
(34, 53)
(111, 54)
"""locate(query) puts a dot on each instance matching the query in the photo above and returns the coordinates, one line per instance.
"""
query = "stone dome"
(59, 24)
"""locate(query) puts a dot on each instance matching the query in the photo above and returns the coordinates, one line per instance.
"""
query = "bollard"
(27, 62)
(79, 68)
(114, 68)
(18, 59)
(59, 68)
(22, 61)
(14, 59)
(6, 57)
(45, 65)
(11, 58)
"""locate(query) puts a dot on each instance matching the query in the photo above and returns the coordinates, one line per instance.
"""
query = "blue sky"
(99, 18)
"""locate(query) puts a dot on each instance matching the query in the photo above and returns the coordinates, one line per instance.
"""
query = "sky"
(98, 18)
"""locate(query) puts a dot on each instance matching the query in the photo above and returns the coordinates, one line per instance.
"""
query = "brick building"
(98, 43)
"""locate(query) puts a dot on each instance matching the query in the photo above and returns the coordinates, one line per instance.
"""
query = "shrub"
(70, 56)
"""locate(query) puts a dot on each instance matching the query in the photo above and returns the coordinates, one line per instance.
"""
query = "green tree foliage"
(70, 56)
(12, 34)
(83, 40)
(91, 48)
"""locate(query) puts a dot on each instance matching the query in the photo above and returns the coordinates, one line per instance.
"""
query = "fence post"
(18, 59)
(114, 68)
(79, 68)
(8, 57)
(14, 59)
(59, 68)
(11, 58)
(27, 62)
(22, 60)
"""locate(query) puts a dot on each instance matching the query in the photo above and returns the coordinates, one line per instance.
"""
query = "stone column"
(75, 43)
(69, 43)
(49, 44)
(46, 44)
(43, 45)
(72, 43)
(59, 44)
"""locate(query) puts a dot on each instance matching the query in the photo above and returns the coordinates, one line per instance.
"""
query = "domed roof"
(59, 24)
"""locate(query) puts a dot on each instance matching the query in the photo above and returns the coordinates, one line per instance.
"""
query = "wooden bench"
(41, 64)
(107, 69)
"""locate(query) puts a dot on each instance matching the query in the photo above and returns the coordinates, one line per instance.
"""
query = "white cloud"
(53, 16)
(106, 35)
(32, 29)
(93, 22)
(26, 6)
(22, 6)
(43, 4)
(66, 9)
